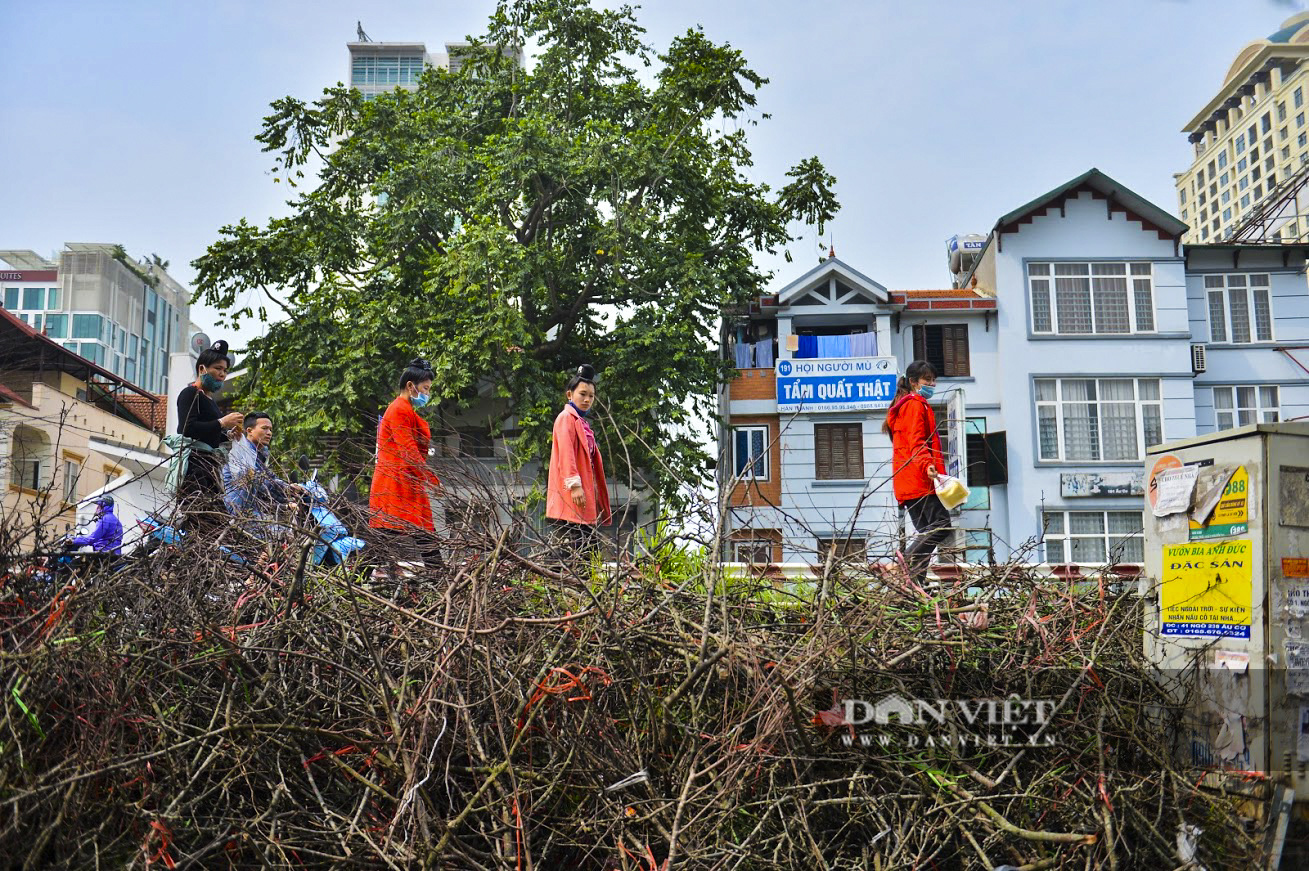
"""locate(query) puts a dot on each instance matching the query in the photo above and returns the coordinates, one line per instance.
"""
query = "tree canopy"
(509, 224)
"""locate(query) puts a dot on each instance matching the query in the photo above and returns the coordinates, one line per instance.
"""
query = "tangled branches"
(504, 712)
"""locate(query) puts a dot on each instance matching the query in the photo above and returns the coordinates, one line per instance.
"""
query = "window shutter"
(839, 451)
(856, 451)
(822, 452)
(956, 350)
(920, 342)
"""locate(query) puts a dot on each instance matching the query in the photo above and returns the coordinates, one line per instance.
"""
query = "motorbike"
(335, 545)
(157, 532)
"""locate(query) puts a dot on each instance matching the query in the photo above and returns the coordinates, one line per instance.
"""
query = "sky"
(134, 122)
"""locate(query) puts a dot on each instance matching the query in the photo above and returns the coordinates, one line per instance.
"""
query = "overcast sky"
(133, 122)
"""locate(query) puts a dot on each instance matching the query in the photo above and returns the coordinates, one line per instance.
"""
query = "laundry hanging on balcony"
(808, 347)
(834, 346)
(744, 355)
(863, 345)
(763, 354)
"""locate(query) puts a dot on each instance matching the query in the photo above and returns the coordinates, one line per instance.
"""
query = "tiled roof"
(7, 395)
(153, 412)
(937, 300)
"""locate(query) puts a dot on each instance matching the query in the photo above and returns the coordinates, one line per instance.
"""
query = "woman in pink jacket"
(577, 499)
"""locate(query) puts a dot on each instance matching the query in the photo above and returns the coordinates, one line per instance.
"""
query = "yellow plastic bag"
(951, 491)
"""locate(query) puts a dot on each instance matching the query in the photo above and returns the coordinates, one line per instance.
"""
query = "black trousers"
(407, 545)
(573, 544)
(932, 522)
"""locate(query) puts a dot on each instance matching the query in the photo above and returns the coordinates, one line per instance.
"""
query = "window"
(1242, 406)
(1092, 298)
(751, 454)
(1097, 419)
(1266, 122)
(1181, 196)
(11, 298)
(1095, 537)
(756, 551)
(841, 548)
(34, 298)
(52, 301)
(1286, 152)
(945, 347)
(72, 471)
(1281, 111)
(386, 70)
(1222, 158)
(86, 326)
(1240, 143)
(1298, 97)
(1232, 300)
(474, 441)
(1245, 201)
(838, 451)
(1227, 214)
(1227, 197)
(56, 326)
(25, 472)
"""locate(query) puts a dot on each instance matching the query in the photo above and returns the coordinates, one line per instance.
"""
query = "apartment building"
(1251, 140)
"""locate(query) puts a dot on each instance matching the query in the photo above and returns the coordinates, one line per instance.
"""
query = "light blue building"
(1083, 332)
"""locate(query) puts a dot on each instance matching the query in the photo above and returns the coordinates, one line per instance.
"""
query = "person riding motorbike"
(107, 535)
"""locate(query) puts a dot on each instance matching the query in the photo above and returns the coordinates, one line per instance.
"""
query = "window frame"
(1258, 410)
(1226, 292)
(846, 547)
(1059, 402)
(739, 466)
(854, 457)
(1049, 280)
(950, 337)
(738, 544)
(1065, 537)
(71, 478)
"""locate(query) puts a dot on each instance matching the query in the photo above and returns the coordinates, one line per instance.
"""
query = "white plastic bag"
(951, 491)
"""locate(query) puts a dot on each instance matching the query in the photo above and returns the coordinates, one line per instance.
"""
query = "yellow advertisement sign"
(1232, 514)
(1206, 589)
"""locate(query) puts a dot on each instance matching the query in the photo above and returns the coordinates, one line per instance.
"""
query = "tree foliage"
(509, 224)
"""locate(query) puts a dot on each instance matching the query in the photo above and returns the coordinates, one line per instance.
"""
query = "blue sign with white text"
(817, 384)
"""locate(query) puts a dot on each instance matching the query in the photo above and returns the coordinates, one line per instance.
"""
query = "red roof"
(153, 411)
(7, 395)
(960, 298)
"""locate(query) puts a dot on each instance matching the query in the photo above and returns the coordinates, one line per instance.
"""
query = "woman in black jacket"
(200, 492)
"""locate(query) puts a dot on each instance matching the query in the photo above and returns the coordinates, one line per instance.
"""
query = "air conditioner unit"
(1197, 359)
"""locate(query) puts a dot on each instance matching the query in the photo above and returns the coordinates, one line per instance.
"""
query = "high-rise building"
(380, 67)
(1250, 139)
(121, 314)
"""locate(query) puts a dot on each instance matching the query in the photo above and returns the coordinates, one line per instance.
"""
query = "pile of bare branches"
(509, 711)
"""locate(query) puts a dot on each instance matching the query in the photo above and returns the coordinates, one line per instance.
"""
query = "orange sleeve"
(924, 453)
(563, 451)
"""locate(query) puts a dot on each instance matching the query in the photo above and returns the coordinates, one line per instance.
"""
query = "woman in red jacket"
(577, 497)
(916, 463)
(400, 498)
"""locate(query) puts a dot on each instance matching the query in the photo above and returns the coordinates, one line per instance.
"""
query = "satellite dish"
(199, 341)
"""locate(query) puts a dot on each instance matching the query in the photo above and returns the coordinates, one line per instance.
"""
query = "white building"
(119, 313)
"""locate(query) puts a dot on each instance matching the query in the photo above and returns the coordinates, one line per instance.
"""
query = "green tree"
(511, 224)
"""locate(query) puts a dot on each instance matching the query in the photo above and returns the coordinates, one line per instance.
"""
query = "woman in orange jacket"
(916, 463)
(400, 498)
(577, 497)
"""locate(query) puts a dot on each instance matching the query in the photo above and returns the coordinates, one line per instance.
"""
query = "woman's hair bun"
(220, 346)
(419, 363)
(586, 372)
